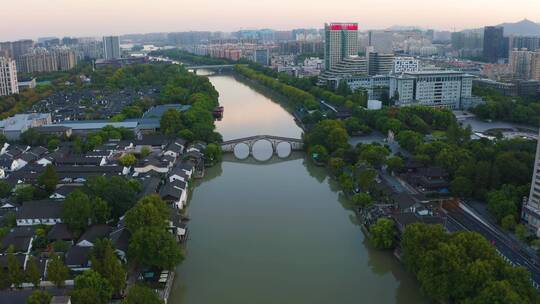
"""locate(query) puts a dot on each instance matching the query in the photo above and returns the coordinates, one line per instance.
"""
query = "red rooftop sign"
(344, 26)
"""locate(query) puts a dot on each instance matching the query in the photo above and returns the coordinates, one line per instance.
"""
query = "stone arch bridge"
(295, 143)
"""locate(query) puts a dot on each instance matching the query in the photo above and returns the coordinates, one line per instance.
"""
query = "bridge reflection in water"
(294, 143)
(252, 160)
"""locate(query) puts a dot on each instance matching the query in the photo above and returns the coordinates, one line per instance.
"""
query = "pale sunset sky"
(38, 18)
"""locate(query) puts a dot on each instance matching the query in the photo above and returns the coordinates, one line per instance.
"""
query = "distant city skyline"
(37, 18)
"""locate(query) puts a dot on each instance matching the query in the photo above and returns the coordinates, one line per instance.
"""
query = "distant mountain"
(523, 27)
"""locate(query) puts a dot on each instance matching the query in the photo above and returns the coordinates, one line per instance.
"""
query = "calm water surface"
(277, 232)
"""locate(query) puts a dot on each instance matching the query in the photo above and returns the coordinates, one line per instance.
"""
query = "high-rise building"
(445, 89)
(111, 47)
(8, 77)
(521, 63)
(262, 56)
(535, 66)
(341, 41)
(38, 60)
(379, 63)
(530, 213)
(531, 43)
(66, 59)
(16, 48)
(494, 44)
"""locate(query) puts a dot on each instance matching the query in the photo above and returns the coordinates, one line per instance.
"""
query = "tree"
(461, 186)
(107, 264)
(5, 189)
(53, 144)
(150, 211)
(48, 179)
(508, 222)
(117, 191)
(140, 294)
(343, 88)
(91, 288)
(186, 134)
(395, 164)
(374, 155)
(336, 165)
(366, 178)
(212, 153)
(33, 274)
(77, 210)
(151, 246)
(39, 297)
(57, 272)
(362, 200)
(145, 151)
(128, 160)
(521, 231)
(101, 212)
(501, 203)
(318, 153)
(382, 233)
(171, 122)
(24, 193)
(498, 292)
(409, 140)
(14, 267)
(346, 182)
(329, 133)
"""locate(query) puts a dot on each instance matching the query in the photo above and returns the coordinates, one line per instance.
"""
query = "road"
(458, 219)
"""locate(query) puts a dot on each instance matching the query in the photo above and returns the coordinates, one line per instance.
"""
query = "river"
(278, 231)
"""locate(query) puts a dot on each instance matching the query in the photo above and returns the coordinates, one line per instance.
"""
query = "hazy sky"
(38, 18)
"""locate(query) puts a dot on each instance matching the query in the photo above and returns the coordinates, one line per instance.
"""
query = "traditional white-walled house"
(44, 161)
(44, 212)
(8, 163)
(92, 234)
(175, 148)
(175, 193)
(63, 191)
(152, 164)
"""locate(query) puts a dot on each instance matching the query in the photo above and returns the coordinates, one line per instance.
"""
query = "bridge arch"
(295, 143)
(281, 143)
(241, 156)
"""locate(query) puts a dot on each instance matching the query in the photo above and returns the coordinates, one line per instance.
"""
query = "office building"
(341, 41)
(262, 56)
(8, 77)
(530, 213)
(405, 64)
(445, 89)
(346, 68)
(111, 47)
(379, 63)
(494, 44)
(381, 41)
